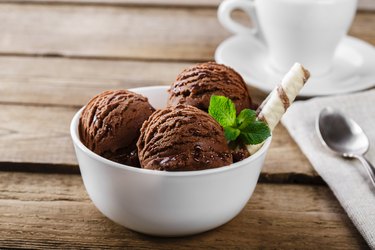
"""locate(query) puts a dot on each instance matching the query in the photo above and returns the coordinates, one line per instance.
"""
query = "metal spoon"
(345, 137)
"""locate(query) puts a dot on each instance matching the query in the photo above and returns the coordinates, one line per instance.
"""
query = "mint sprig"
(244, 126)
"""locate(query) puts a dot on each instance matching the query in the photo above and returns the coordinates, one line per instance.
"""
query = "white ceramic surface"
(306, 31)
(353, 67)
(166, 203)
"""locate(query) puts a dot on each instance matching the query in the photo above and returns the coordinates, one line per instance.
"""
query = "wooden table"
(55, 55)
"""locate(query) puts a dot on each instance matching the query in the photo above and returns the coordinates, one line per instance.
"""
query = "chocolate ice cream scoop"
(182, 138)
(195, 85)
(110, 124)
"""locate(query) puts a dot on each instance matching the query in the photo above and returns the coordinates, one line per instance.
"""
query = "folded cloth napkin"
(347, 178)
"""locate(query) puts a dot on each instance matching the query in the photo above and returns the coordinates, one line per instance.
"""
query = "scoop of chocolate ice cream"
(110, 124)
(195, 85)
(182, 138)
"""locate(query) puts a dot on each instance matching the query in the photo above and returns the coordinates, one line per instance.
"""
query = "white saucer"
(353, 66)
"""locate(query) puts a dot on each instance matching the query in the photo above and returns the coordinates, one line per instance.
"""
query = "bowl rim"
(77, 142)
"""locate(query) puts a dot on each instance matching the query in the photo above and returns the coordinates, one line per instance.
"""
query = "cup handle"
(224, 16)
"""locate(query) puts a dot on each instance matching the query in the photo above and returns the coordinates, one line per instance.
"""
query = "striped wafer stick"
(279, 100)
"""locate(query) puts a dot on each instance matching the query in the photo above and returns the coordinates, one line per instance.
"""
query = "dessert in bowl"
(166, 203)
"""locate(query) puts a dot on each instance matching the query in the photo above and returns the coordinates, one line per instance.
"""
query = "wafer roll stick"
(279, 100)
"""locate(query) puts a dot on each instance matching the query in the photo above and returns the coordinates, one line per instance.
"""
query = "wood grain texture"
(53, 211)
(123, 32)
(36, 134)
(92, 31)
(368, 5)
(72, 82)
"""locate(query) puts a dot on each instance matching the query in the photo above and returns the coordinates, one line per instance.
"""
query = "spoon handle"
(369, 168)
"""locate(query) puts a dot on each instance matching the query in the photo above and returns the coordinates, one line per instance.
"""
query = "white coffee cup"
(305, 31)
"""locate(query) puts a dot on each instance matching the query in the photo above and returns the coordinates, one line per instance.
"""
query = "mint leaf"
(244, 127)
(222, 109)
(231, 134)
(246, 117)
(255, 133)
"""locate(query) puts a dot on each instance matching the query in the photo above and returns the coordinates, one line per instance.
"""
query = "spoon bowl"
(341, 134)
(345, 137)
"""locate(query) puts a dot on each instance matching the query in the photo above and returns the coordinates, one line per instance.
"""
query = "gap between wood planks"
(102, 58)
(363, 5)
(186, 4)
(25, 167)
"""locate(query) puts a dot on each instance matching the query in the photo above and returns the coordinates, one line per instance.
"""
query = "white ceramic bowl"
(166, 203)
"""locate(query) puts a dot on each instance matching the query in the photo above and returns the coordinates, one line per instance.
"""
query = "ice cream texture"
(182, 138)
(110, 125)
(195, 85)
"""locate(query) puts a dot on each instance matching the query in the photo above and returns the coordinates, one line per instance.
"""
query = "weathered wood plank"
(30, 134)
(92, 31)
(285, 161)
(40, 135)
(362, 4)
(72, 82)
(50, 210)
(122, 32)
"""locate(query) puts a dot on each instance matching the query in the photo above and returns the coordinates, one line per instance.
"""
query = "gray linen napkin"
(347, 178)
